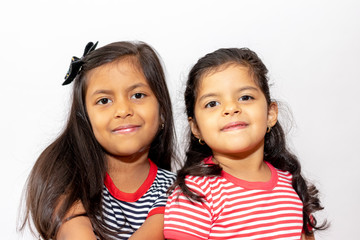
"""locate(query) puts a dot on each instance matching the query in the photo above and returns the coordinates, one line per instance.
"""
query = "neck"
(128, 172)
(247, 165)
(122, 164)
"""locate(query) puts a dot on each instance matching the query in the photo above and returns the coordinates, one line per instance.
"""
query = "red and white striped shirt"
(236, 209)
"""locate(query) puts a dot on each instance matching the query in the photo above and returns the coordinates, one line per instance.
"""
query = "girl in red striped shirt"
(239, 180)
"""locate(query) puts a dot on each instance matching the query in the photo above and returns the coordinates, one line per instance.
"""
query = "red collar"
(132, 197)
(270, 185)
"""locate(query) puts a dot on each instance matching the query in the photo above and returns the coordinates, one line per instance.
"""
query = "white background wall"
(312, 50)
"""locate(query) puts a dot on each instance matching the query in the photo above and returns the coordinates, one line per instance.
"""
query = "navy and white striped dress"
(126, 212)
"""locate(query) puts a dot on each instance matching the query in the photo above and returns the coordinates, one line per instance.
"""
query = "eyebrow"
(132, 87)
(102, 91)
(238, 90)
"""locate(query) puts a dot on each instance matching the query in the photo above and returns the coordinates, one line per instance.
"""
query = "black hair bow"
(76, 63)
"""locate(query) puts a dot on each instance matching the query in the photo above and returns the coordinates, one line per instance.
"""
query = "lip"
(124, 129)
(234, 126)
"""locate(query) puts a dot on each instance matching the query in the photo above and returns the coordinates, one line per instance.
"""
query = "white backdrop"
(311, 48)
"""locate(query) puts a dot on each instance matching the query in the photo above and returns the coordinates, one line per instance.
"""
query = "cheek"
(206, 124)
(154, 123)
(91, 116)
(259, 112)
(156, 120)
(96, 121)
(152, 115)
(261, 121)
(94, 126)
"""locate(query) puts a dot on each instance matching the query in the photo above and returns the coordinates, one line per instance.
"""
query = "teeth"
(125, 130)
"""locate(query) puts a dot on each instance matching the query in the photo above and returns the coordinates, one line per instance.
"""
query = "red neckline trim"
(270, 185)
(132, 197)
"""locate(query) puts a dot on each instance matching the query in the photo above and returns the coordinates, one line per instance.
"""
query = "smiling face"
(231, 112)
(122, 108)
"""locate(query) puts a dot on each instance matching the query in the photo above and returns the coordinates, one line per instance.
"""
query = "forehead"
(226, 76)
(119, 71)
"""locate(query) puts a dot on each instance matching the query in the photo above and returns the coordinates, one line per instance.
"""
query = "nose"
(123, 109)
(231, 108)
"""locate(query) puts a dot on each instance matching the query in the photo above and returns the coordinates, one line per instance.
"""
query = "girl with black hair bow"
(107, 174)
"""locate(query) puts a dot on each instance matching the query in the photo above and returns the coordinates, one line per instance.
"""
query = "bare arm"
(77, 228)
(152, 228)
(304, 237)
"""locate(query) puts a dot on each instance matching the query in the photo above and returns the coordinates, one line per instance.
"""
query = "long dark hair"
(73, 167)
(275, 150)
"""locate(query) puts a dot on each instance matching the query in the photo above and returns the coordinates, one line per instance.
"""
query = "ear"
(194, 127)
(272, 114)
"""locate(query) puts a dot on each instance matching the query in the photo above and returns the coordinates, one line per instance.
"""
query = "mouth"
(126, 129)
(234, 126)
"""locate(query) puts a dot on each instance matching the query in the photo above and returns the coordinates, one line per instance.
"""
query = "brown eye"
(103, 101)
(138, 96)
(212, 104)
(246, 98)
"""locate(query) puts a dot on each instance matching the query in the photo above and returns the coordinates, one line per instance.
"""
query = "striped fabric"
(236, 209)
(126, 212)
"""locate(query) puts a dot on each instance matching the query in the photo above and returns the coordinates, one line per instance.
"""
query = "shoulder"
(284, 175)
(162, 182)
(201, 185)
(284, 178)
(281, 173)
(165, 176)
(204, 181)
